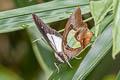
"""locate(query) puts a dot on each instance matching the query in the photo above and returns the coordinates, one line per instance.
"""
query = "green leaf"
(97, 52)
(53, 5)
(23, 3)
(107, 20)
(116, 28)
(98, 12)
(6, 74)
(118, 76)
(12, 20)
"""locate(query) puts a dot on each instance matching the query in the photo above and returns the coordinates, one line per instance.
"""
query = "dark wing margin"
(44, 30)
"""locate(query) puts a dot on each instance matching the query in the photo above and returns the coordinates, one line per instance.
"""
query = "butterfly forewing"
(53, 38)
(56, 42)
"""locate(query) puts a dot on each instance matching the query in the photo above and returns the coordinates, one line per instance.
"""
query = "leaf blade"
(118, 76)
(116, 29)
(10, 23)
(53, 5)
(100, 12)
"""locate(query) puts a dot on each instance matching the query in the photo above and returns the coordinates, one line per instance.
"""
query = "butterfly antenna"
(69, 64)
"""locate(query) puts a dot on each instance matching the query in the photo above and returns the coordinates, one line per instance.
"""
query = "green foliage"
(23, 3)
(116, 28)
(6, 74)
(13, 20)
(57, 10)
(99, 12)
(118, 76)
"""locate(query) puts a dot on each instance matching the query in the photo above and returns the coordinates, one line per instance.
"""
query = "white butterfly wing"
(56, 42)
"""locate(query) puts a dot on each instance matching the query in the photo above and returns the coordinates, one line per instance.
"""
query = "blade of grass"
(52, 5)
(107, 20)
(23, 3)
(116, 29)
(100, 12)
(118, 76)
(51, 15)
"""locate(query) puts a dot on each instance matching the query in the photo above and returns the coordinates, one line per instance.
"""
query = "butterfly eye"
(71, 26)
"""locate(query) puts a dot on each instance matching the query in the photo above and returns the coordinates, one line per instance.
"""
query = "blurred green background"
(17, 60)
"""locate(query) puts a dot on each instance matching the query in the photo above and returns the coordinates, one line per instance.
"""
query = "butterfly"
(62, 50)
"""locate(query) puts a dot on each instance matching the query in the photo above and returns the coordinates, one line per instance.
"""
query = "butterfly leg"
(77, 57)
(36, 40)
(57, 66)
